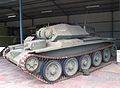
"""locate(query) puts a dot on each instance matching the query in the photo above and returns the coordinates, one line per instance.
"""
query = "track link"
(22, 64)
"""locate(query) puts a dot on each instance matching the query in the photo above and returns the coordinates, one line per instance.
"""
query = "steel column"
(21, 27)
(32, 22)
(112, 25)
(68, 19)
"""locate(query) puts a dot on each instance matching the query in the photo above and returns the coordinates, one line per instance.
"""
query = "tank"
(60, 50)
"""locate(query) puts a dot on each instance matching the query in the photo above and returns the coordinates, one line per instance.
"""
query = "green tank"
(60, 50)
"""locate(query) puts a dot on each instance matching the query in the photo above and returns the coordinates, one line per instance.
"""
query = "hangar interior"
(101, 17)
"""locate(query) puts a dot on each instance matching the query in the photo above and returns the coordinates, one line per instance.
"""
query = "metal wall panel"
(102, 22)
(93, 17)
(26, 23)
(49, 20)
(2, 24)
(116, 26)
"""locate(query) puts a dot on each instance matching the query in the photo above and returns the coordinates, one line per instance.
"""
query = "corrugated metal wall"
(116, 26)
(102, 22)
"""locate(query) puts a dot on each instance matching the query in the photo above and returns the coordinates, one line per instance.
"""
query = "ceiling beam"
(58, 14)
(44, 1)
(15, 11)
(58, 6)
(24, 15)
(63, 10)
(26, 3)
(61, 4)
(73, 8)
(75, 12)
(69, 4)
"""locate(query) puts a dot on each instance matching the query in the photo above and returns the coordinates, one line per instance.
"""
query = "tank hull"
(16, 54)
(74, 50)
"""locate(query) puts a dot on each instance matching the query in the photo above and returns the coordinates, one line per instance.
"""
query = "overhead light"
(46, 11)
(93, 6)
(11, 16)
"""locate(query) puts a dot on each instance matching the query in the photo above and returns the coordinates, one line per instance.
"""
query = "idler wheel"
(96, 58)
(32, 63)
(51, 70)
(5, 51)
(70, 66)
(85, 62)
(106, 55)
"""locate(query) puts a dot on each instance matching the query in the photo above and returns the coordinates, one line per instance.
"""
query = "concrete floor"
(12, 77)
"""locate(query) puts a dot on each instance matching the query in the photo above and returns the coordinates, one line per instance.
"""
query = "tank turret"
(54, 33)
(61, 31)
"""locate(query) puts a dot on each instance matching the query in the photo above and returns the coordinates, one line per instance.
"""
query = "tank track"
(22, 64)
